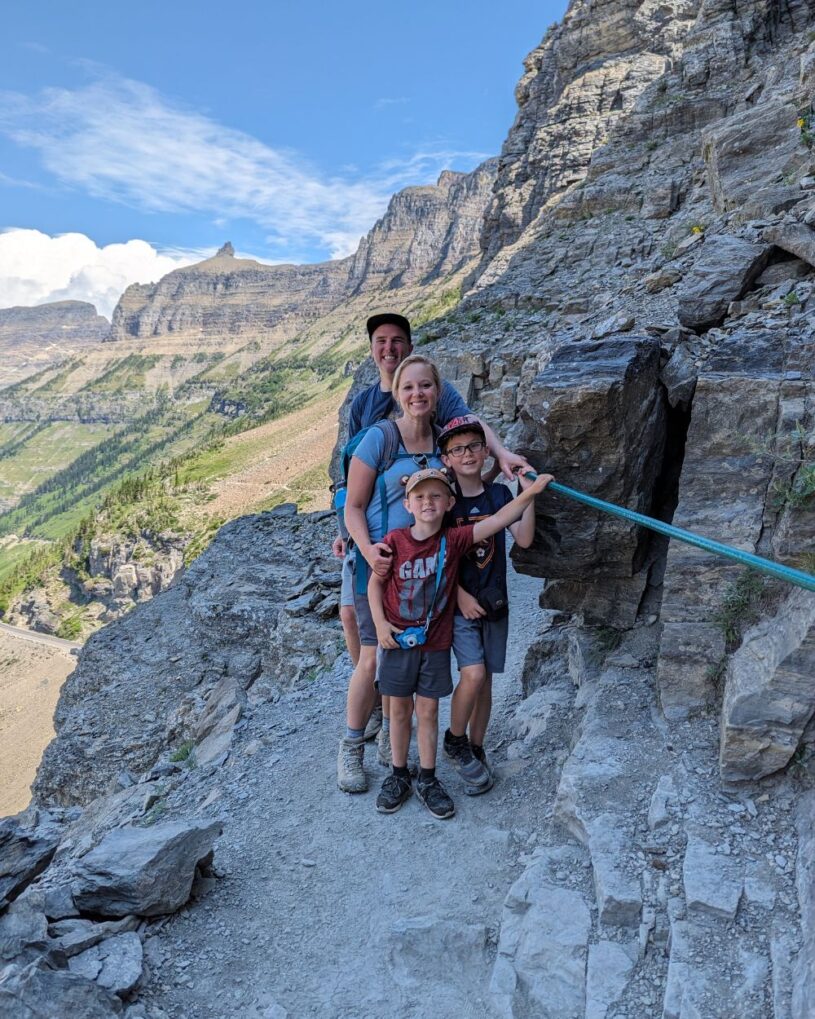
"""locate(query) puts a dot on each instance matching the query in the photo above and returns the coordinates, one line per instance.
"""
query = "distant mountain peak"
(225, 251)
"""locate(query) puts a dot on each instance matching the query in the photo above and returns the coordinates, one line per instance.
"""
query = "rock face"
(226, 618)
(67, 324)
(586, 75)
(588, 395)
(427, 232)
(722, 274)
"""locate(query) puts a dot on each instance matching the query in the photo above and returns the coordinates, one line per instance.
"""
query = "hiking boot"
(392, 795)
(350, 772)
(383, 748)
(460, 755)
(434, 796)
(374, 723)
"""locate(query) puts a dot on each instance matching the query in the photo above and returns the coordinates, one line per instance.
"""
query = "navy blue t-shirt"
(485, 565)
(372, 405)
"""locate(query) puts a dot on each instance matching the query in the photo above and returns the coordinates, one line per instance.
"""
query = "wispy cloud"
(122, 141)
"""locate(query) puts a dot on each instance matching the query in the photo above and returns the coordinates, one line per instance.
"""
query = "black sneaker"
(392, 795)
(434, 796)
(460, 755)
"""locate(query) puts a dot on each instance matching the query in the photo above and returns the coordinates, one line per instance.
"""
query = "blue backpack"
(390, 455)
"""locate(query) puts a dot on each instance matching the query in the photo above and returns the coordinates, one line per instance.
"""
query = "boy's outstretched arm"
(523, 530)
(507, 515)
(384, 630)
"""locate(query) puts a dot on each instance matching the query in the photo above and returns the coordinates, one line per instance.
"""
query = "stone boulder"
(36, 992)
(146, 871)
(722, 273)
(749, 151)
(595, 418)
(769, 696)
(25, 851)
(115, 964)
(796, 238)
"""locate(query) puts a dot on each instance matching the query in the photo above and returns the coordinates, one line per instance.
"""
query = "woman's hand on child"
(384, 634)
(338, 547)
(468, 606)
(379, 558)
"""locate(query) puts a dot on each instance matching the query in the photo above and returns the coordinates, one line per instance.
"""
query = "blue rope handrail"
(768, 566)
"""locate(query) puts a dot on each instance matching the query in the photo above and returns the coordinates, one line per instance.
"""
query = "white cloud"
(121, 140)
(36, 268)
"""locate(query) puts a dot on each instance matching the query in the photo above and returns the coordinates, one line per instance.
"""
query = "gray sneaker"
(351, 776)
(374, 723)
(383, 748)
(459, 754)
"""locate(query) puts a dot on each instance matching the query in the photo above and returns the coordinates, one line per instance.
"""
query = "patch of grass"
(715, 673)
(608, 638)
(742, 606)
(126, 373)
(436, 306)
(792, 299)
(155, 813)
(183, 752)
(71, 627)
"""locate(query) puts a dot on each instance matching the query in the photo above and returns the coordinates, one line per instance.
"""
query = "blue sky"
(282, 127)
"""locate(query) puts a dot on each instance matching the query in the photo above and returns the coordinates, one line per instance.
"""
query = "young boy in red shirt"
(416, 602)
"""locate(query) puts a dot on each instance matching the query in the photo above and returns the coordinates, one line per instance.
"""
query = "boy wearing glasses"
(412, 609)
(481, 624)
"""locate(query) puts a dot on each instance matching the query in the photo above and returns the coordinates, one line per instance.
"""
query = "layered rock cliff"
(64, 323)
(426, 232)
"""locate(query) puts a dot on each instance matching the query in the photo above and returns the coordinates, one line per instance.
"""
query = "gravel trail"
(327, 907)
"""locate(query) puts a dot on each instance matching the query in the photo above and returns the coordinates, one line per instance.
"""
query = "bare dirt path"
(32, 671)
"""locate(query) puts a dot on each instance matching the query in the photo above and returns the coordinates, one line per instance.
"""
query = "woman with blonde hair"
(388, 451)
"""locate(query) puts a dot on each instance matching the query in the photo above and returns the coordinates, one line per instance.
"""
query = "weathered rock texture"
(586, 75)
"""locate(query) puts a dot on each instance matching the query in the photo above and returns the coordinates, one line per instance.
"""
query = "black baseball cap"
(388, 318)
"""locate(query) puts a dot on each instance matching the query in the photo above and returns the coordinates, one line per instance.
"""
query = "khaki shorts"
(365, 621)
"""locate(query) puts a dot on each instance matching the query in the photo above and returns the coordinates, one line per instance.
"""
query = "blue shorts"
(481, 642)
(403, 672)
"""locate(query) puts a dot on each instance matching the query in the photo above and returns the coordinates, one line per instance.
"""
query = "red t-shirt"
(408, 590)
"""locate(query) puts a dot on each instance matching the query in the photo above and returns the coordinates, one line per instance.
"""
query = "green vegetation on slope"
(153, 475)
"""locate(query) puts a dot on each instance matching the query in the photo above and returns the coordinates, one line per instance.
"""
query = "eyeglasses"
(471, 447)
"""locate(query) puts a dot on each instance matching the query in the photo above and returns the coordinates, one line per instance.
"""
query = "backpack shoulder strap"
(393, 439)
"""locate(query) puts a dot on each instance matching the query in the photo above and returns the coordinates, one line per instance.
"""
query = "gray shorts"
(407, 671)
(365, 621)
(481, 642)
(347, 589)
